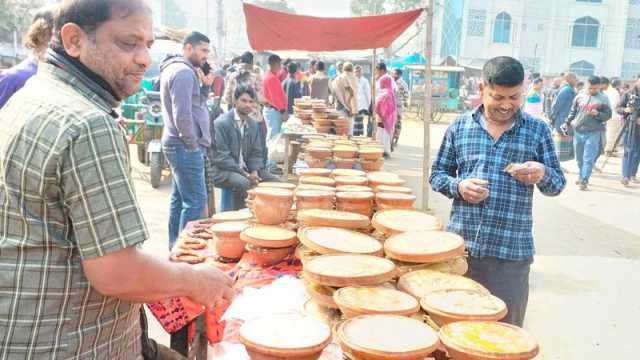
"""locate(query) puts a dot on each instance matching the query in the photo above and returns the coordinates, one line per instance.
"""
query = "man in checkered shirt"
(72, 274)
(489, 162)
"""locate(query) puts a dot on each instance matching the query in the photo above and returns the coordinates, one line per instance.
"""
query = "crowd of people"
(590, 119)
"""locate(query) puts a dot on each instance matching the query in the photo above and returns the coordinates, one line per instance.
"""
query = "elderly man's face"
(119, 51)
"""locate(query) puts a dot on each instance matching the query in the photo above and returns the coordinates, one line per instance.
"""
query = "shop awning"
(274, 30)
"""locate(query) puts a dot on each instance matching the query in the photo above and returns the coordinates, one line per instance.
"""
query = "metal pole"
(372, 116)
(426, 160)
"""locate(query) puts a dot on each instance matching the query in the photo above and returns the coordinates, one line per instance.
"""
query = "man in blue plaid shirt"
(489, 162)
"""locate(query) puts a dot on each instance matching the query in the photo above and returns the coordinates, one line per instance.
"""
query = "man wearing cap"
(244, 76)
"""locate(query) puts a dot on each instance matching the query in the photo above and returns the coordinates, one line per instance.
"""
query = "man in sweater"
(186, 134)
(589, 113)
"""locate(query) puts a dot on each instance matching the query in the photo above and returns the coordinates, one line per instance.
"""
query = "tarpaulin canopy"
(401, 62)
(274, 30)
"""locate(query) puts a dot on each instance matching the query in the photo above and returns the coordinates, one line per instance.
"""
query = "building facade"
(553, 36)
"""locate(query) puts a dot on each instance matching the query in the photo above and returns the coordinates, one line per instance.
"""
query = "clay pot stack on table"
(303, 109)
(321, 121)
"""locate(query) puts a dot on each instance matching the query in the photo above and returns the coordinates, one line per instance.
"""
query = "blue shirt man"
(489, 162)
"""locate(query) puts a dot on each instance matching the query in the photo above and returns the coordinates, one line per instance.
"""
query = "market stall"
(338, 265)
(318, 263)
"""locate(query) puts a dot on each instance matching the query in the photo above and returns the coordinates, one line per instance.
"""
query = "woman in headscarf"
(387, 112)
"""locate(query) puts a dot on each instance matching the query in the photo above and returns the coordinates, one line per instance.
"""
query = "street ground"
(584, 281)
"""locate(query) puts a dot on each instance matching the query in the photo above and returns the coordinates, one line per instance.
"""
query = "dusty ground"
(585, 280)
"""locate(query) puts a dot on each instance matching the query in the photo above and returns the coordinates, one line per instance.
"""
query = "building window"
(476, 21)
(590, 1)
(585, 32)
(630, 70)
(582, 68)
(502, 28)
(632, 36)
(634, 2)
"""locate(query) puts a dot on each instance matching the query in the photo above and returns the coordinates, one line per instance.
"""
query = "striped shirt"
(66, 195)
(500, 226)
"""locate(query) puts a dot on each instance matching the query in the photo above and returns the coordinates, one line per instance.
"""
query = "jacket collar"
(74, 73)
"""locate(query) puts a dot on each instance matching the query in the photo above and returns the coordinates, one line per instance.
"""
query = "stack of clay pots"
(345, 153)
(303, 109)
(321, 121)
(341, 125)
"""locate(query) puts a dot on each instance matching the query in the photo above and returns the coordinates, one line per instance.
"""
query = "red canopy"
(274, 30)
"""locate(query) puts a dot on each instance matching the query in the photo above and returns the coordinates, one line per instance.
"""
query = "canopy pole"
(426, 160)
(372, 116)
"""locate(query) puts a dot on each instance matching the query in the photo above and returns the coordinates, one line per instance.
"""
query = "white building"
(553, 36)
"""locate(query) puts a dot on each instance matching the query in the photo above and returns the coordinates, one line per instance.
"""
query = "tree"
(16, 15)
(277, 5)
(381, 7)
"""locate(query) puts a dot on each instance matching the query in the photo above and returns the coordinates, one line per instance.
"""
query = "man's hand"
(213, 286)
(628, 110)
(206, 80)
(254, 178)
(285, 116)
(593, 112)
(531, 172)
(473, 191)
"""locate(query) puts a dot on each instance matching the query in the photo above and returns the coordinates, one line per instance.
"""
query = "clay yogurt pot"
(314, 199)
(227, 239)
(271, 206)
(356, 202)
(390, 200)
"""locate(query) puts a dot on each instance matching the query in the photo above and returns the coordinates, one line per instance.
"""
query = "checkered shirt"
(501, 226)
(66, 195)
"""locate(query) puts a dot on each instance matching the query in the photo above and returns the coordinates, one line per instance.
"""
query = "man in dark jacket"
(562, 102)
(186, 134)
(629, 107)
(238, 154)
(589, 113)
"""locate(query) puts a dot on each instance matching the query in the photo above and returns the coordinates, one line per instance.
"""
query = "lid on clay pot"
(227, 216)
(269, 236)
(278, 185)
(333, 218)
(400, 220)
(424, 246)
(341, 270)
(323, 295)
(317, 180)
(376, 300)
(395, 337)
(344, 147)
(347, 172)
(306, 194)
(314, 172)
(273, 192)
(355, 195)
(370, 150)
(285, 334)
(351, 180)
(491, 340)
(303, 187)
(463, 303)
(353, 188)
(421, 282)
(391, 196)
(382, 176)
(329, 240)
(394, 189)
(228, 228)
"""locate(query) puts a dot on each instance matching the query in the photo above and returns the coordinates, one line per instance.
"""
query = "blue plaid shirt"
(500, 226)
